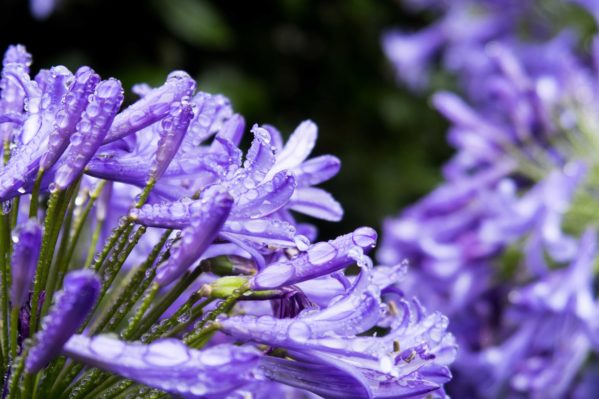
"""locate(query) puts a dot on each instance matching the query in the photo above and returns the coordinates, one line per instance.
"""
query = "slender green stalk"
(126, 296)
(123, 226)
(6, 150)
(99, 259)
(54, 276)
(195, 313)
(14, 330)
(15, 377)
(80, 222)
(134, 321)
(94, 243)
(5, 278)
(166, 301)
(111, 269)
(57, 205)
(110, 388)
(226, 305)
(48, 377)
(143, 197)
(199, 339)
(35, 193)
(14, 212)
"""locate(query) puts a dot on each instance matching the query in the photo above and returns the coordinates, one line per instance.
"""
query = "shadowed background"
(280, 62)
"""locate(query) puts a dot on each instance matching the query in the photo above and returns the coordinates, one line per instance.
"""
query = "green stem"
(137, 317)
(6, 150)
(35, 193)
(15, 377)
(166, 301)
(224, 307)
(143, 197)
(112, 387)
(93, 244)
(4, 276)
(80, 222)
(124, 224)
(57, 205)
(14, 212)
(57, 270)
(63, 380)
(14, 330)
(195, 313)
(126, 296)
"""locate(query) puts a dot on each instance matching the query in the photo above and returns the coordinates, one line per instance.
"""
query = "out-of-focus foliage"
(278, 61)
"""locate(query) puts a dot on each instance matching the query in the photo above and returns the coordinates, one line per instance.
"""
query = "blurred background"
(280, 63)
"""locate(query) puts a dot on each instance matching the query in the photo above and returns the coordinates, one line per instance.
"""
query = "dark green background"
(280, 62)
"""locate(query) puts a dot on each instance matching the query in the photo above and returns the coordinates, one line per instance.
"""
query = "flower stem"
(80, 222)
(125, 298)
(5, 277)
(35, 193)
(57, 205)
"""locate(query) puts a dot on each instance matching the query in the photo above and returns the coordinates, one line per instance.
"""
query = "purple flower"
(552, 341)
(234, 213)
(169, 365)
(73, 304)
(396, 363)
(44, 100)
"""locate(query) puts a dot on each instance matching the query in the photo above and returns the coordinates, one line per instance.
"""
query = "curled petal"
(320, 259)
(232, 131)
(298, 147)
(172, 130)
(91, 130)
(265, 199)
(266, 232)
(67, 117)
(319, 374)
(12, 95)
(260, 157)
(212, 112)
(168, 364)
(197, 237)
(154, 106)
(42, 106)
(317, 203)
(316, 170)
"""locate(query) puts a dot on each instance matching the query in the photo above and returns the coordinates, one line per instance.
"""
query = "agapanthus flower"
(503, 245)
(146, 247)
(460, 35)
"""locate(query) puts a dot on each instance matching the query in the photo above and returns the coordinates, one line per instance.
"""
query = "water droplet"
(321, 253)
(301, 242)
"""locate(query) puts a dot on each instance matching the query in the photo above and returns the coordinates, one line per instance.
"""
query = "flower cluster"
(150, 257)
(507, 243)
(458, 40)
